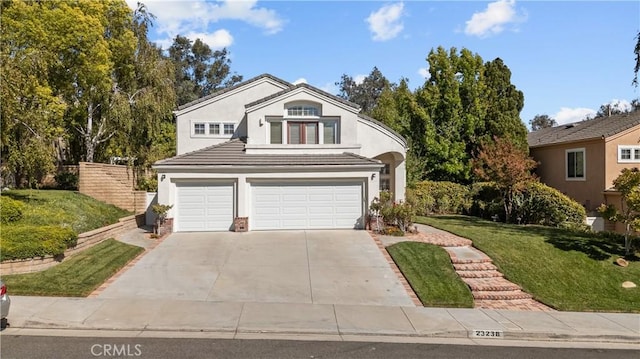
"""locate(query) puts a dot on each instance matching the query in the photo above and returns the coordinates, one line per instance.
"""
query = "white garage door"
(204, 207)
(306, 206)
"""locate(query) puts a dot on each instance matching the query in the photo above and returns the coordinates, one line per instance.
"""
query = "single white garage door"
(306, 205)
(204, 207)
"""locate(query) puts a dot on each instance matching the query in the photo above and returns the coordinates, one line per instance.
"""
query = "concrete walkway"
(188, 318)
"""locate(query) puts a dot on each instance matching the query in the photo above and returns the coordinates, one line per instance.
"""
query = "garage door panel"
(204, 207)
(306, 205)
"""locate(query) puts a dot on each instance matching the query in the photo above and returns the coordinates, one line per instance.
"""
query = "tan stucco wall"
(630, 137)
(552, 169)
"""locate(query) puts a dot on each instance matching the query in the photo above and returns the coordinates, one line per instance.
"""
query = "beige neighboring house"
(273, 155)
(582, 159)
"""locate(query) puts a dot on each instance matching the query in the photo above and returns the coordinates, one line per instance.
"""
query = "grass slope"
(429, 270)
(64, 208)
(567, 270)
(77, 276)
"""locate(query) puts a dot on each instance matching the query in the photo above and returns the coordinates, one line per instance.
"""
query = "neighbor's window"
(302, 133)
(198, 128)
(628, 153)
(229, 128)
(214, 128)
(303, 111)
(576, 164)
(276, 132)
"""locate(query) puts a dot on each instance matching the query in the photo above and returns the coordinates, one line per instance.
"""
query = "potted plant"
(160, 211)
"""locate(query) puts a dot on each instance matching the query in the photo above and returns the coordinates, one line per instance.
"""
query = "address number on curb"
(492, 334)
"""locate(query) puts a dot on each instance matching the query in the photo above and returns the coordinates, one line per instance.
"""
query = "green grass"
(77, 276)
(429, 271)
(64, 208)
(566, 270)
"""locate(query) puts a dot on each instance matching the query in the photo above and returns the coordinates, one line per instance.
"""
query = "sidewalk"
(192, 318)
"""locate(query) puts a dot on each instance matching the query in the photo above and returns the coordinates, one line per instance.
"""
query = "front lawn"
(429, 271)
(77, 276)
(64, 208)
(566, 270)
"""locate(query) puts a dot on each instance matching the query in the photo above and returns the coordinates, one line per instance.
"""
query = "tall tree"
(613, 108)
(145, 103)
(365, 93)
(30, 111)
(541, 121)
(504, 103)
(199, 71)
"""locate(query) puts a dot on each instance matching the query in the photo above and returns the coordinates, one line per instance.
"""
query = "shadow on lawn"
(596, 246)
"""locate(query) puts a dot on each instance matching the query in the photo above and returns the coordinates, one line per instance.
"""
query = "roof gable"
(597, 128)
(282, 83)
(303, 87)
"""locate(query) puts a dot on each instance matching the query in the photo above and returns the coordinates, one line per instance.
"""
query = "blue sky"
(567, 57)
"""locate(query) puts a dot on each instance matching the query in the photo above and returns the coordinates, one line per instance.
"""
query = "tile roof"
(232, 153)
(227, 89)
(312, 88)
(601, 127)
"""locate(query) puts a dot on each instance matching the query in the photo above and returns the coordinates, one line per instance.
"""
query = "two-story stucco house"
(582, 159)
(282, 156)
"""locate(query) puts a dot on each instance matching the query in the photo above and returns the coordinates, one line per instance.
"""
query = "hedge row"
(22, 242)
(537, 203)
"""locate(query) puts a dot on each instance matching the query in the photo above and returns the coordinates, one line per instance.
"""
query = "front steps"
(488, 286)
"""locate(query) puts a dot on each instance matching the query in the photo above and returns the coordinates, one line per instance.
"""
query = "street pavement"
(185, 318)
(126, 314)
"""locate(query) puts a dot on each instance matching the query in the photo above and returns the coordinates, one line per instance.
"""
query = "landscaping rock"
(628, 285)
(621, 262)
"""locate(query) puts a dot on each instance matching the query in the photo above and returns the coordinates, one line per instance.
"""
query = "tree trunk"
(88, 141)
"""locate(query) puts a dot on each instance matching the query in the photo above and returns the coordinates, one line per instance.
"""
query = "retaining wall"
(85, 240)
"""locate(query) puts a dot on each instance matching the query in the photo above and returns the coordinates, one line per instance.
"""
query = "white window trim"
(584, 164)
(207, 129)
(628, 147)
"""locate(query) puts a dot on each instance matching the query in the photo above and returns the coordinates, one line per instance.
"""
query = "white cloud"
(493, 19)
(329, 87)
(359, 79)
(216, 40)
(570, 115)
(424, 72)
(301, 80)
(622, 105)
(385, 23)
(195, 16)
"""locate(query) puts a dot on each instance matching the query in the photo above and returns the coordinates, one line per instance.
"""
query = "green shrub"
(149, 184)
(10, 209)
(67, 181)
(541, 204)
(486, 200)
(393, 213)
(431, 197)
(22, 242)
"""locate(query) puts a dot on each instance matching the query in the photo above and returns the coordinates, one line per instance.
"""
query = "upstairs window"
(214, 128)
(302, 133)
(198, 128)
(275, 132)
(229, 128)
(330, 132)
(628, 154)
(303, 111)
(576, 164)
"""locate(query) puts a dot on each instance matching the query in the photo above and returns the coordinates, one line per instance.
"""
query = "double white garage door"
(291, 205)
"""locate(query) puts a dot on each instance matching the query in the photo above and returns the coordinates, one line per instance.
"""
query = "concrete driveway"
(320, 267)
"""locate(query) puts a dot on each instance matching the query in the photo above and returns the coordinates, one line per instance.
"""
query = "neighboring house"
(280, 156)
(582, 159)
